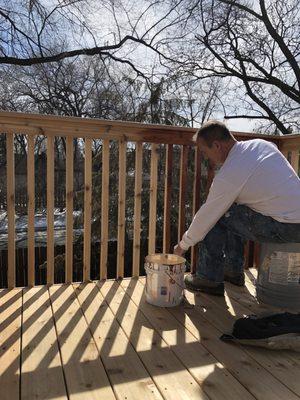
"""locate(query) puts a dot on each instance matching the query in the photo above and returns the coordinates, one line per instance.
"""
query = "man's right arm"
(221, 196)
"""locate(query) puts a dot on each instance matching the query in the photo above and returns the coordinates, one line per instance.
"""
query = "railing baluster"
(87, 209)
(50, 210)
(247, 247)
(137, 209)
(167, 198)
(121, 209)
(69, 206)
(153, 199)
(210, 176)
(256, 255)
(182, 191)
(196, 200)
(104, 208)
(31, 210)
(295, 161)
(11, 271)
(49, 126)
(285, 153)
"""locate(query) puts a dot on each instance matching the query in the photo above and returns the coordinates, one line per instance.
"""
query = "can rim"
(165, 258)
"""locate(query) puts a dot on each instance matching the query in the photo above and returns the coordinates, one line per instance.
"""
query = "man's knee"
(238, 220)
(238, 211)
(216, 236)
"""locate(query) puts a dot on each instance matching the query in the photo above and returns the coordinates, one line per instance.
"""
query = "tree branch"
(261, 104)
(68, 54)
(279, 40)
(234, 3)
(13, 25)
(246, 116)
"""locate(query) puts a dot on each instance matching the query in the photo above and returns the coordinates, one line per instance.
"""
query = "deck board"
(102, 340)
(10, 342)
(244, 366)
(86, 378)
(41, 368)
(216, 381)
(126, 372)
(167, 371)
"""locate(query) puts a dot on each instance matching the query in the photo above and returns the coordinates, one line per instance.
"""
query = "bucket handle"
(172, 277)
(182, 287)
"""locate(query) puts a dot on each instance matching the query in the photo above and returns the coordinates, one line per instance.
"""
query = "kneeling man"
(255, 195)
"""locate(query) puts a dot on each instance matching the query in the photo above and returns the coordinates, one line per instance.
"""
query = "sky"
(143, 57)
(241, 125)
(111, 20)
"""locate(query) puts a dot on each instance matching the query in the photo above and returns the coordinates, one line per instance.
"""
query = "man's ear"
(216, 144)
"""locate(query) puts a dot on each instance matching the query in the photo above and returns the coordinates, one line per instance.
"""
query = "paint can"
(164, 279)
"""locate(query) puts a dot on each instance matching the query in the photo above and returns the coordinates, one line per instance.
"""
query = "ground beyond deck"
(103, 341)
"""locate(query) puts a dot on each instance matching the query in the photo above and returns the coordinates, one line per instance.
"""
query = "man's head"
(215, 141)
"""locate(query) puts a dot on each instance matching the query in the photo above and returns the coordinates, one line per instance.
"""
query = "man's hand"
(178, 250)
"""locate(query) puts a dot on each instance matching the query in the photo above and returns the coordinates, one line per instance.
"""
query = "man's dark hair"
(213, 130)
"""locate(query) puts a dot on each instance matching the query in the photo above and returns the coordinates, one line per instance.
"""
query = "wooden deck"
(103, 341)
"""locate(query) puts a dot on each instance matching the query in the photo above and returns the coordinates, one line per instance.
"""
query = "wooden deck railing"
(50, 127)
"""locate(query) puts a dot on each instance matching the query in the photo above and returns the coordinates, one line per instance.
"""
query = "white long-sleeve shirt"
(255, 174)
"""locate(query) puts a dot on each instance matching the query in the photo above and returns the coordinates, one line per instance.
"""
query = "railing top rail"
(94, 128)
(98, 128)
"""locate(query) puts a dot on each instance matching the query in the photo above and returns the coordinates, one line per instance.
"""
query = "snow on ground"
(40, 226)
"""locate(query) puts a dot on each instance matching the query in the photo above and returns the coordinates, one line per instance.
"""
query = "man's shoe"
(235, 279)
(193, 282)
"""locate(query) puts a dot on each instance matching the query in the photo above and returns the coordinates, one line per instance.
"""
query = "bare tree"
(256, 46)
(37, 32)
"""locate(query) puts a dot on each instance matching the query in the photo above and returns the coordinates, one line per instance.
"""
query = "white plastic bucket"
(164, 279)
(278, 281)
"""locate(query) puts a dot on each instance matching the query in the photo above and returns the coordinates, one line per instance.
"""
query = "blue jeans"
(223, 247)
